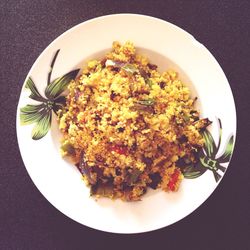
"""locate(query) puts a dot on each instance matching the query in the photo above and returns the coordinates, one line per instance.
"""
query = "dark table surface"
(28, 220)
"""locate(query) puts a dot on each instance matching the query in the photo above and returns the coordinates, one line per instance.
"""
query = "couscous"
(126, 125)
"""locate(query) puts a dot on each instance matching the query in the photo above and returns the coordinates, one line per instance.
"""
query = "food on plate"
(127, 127)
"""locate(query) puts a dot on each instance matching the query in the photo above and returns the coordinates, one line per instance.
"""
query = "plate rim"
(37, 60)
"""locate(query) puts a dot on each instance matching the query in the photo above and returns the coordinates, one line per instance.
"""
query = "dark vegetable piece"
(121, 129)
(182, 162)
(77, 94)
(146, 76)
(148, 102)
(125, 187)
(202, 123)
(145, 108)
(162, 84)
(195, 115)
(97, 117)
(144, 190)
(143, 73)
(102, 189)
(155, 180)
(147, 161)
(134, 146)
(118, 171)
(186, 118)
(115, 69)
(84, 169)
(197, 153)
(152, 66)
(67, 147)
(98, 171)
(183, 139)
(112, 95)
(132, 176)
(103, 61)
(142, 92)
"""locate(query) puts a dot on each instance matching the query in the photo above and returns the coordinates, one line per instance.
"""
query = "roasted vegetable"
(84, 169)
(67, 148)
(174, 179)
(152, 66)
(155, 180)
(102, 189)
(132, 176)
(202, 123)
(129, 68)
(113, 63)
(148, 102)
(120, 149)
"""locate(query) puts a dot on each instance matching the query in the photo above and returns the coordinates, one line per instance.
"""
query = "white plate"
(167, 46)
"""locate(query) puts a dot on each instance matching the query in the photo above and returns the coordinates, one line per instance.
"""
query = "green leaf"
(35, 95)
(225, 157)
(209, 146)
(113, 63)
(130, 68)
(148, 102)
(56, 87)
(31, 113)
(42, 127)
(149, 82)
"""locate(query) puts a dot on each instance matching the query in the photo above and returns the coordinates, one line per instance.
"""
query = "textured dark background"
(27, 220)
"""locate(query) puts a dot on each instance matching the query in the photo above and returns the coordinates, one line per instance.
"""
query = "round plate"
(167, 46)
